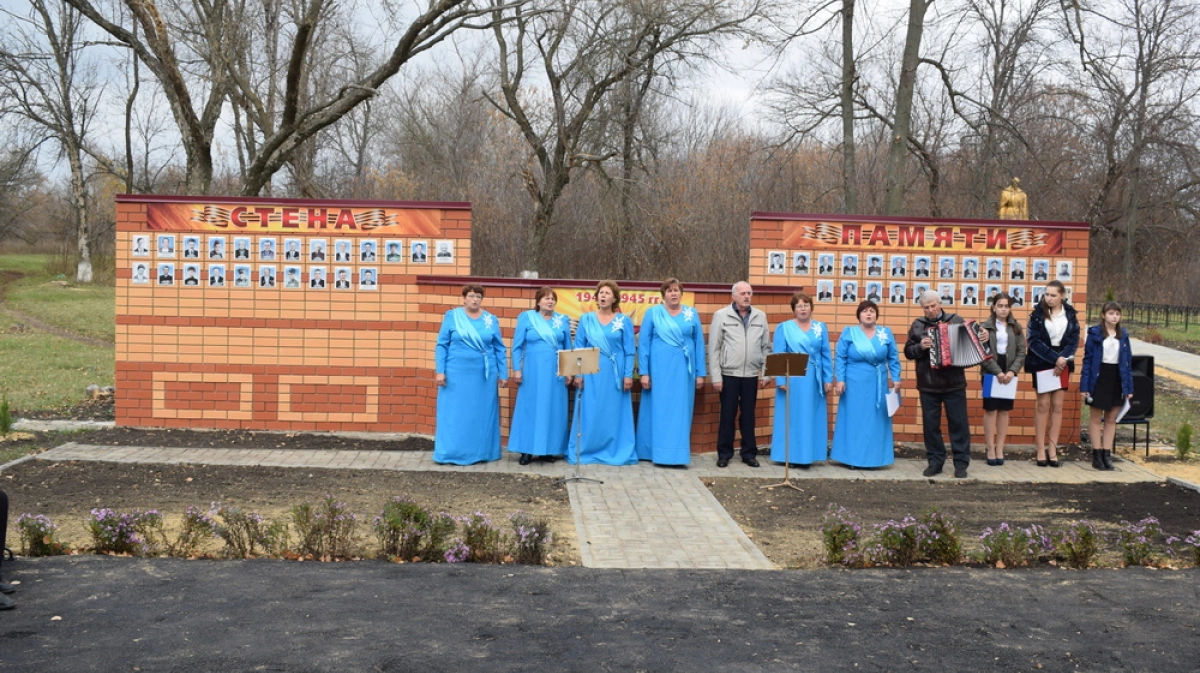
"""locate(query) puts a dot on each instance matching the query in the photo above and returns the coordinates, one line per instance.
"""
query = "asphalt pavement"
(96, 613)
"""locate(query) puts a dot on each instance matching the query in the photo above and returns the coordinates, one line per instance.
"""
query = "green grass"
(1168, 333)
(88, 309)
(41, 371)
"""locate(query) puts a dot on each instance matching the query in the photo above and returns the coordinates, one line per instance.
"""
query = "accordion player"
(958, 345)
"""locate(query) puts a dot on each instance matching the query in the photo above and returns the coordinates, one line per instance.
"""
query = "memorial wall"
(300, 315)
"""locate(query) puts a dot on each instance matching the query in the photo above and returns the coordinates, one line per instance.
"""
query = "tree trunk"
(898, 147)
(83, 271)
(849, 169)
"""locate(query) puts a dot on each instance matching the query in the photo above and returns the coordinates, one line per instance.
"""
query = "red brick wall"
(957, 240)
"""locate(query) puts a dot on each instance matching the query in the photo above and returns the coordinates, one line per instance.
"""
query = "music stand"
(788, 365)
(578, 362)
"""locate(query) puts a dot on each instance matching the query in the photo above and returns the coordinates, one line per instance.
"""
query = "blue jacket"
(1093, 357)
(1041, 354)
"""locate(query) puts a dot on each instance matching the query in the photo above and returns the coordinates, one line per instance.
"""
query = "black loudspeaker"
(1142, 404)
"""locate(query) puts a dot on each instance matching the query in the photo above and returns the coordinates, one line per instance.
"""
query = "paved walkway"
(1176, 365)
(640, 517)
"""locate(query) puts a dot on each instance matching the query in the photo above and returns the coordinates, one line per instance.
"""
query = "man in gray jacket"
(738, 344)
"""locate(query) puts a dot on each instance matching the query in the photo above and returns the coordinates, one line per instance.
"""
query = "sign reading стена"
(280, 218)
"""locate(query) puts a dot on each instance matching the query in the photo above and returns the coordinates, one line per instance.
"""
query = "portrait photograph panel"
(921, 267)
(995, 268)
(166, 274)
(1017, 292)
(141, 274)
(946, 268)
(241, 275)
(318, 250)
(241, 248)
(1065, 271)
(367, 278)
(166, 246)
(418, 252)
(849, 264)
(445, 252)
(946, 294)
(874, 292)
(341, 251)
(292, 279)
(970, 268)
(1041, 270)
(970, 295)
(343, 279)
(992, 291)
(899, 266)
(140, 246)
(898, 294)
(394, 252)
(825, 265)
(918, 290)
(292, 250)
(849, 292)
(266, 276)
(316, 278)
(874, 266)
(1016, 269)
(216, 275)
(191, 247)
(801, 264)
(825, 291)
(216, 247)
(266, 249)
(368, 251)
(775, 262)
(191, 275)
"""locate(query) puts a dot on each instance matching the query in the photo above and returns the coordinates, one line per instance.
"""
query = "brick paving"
(642, 516)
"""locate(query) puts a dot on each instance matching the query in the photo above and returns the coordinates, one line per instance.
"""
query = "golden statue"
(1013, 203)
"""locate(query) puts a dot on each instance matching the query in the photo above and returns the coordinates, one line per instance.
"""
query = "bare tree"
(52, 88)
(581, 51)
(902, 120)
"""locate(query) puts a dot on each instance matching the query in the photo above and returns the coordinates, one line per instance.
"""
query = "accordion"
(958, 345)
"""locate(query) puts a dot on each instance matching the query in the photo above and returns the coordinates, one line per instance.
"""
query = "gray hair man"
(939, 387)
(738, 344)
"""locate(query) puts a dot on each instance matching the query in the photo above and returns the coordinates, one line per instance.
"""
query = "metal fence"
(1151, 315)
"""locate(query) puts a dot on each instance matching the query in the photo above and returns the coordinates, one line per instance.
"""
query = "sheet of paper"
(1124, 410)
(1002, 391)
(1048, 382)
(893, 402)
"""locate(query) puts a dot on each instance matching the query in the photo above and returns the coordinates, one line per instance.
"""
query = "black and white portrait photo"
(775, 262)
(445, 252)
(241, 275)
(141, 274)
(1065, 271)
(141, 246)
(946, 293)
(317, 249)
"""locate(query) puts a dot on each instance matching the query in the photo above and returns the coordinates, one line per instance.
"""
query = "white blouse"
(1112, 351)
(1056, 327)
(1002, 339)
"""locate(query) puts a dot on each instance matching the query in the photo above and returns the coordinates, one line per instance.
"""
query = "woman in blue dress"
(605, 406)
(671, 364)
(803, 397)
(471, 362)
(866, 358)
(539, 421)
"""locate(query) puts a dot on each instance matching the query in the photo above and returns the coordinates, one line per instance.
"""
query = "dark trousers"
(738, 393)
(960, 428)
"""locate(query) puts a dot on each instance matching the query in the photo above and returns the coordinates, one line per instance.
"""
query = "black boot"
(1097, 459)
(1106, 457)
(526, 459)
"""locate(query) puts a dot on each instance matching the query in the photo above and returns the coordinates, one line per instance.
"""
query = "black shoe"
(722, 462)
(960, 473)
(6, 588)
(7, 603)
(1043, 463)
(1054, 463)
(548, 459)
(932, 471)
(992, 462)
(1097, 460)
(1000, 462)
(1106, 458)
(800, 466)
(752, 462)
(525, 459)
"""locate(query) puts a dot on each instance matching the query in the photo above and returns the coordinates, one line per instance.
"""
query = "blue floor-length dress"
(671, 352)
(863, 434)
(606, 408)
(539, 421)
(804, 399)
(472, 355)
